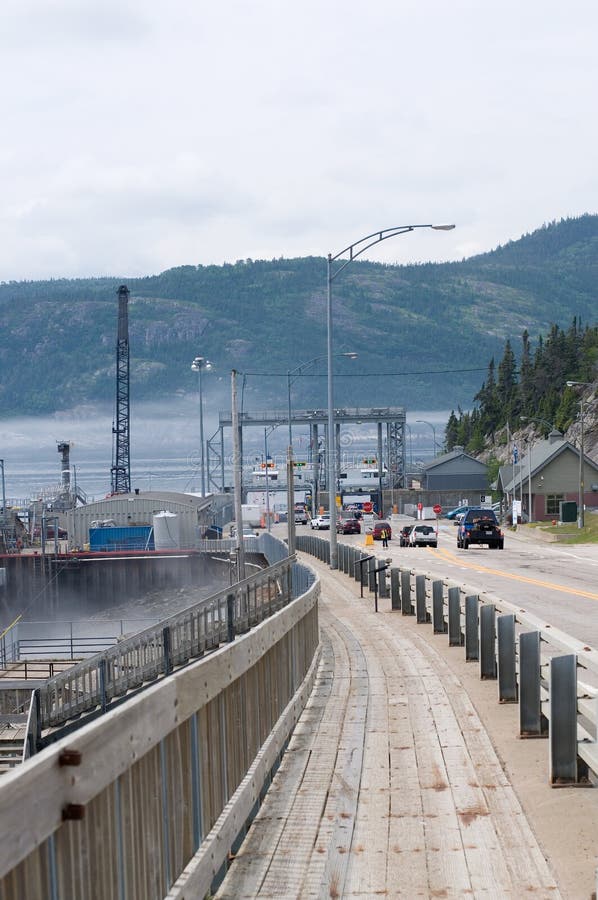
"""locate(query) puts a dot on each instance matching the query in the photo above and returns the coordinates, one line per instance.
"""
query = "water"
(164, 448)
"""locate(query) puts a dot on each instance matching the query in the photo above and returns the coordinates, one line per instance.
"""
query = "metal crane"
(120, 471)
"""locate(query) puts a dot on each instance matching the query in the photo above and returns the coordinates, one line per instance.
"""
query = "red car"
(379, 527)
(348, 526)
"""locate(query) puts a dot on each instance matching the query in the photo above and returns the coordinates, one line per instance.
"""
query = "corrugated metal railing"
(535, 664)
(173, 642)
(152, 799)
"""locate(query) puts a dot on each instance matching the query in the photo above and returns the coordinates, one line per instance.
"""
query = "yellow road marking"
(442, 553)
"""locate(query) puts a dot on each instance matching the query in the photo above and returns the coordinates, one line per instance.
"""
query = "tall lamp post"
(354, 250)
(268, 431)
(297, 371)
(580, 511)
(198, 365)
(424, 422)
(3, 493)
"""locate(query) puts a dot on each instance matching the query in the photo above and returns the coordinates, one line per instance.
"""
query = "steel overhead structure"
(120, 471)
(354, 250)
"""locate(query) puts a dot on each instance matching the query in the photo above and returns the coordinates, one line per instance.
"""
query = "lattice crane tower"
(120, 471)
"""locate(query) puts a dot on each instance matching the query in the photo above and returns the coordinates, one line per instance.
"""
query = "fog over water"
(165, 446)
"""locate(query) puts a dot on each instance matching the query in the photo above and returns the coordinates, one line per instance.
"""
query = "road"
(555, 582)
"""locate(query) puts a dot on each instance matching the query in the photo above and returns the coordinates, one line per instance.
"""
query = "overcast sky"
(144, 134)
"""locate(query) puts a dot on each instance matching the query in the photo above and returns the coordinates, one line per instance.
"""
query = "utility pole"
(237, 464)
(121, 466)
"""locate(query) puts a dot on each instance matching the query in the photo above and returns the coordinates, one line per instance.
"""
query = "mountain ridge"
(57, 347)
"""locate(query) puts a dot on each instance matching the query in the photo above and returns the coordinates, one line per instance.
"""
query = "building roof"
(541, 454)
(457, 453)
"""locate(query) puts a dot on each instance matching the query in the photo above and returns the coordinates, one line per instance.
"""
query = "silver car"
(423, 536)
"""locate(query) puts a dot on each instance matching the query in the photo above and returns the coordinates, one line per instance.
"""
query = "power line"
(367, 374)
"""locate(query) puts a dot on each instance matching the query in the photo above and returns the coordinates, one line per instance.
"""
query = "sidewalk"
(391, 784)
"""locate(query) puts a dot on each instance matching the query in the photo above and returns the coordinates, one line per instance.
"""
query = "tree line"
(533, 388)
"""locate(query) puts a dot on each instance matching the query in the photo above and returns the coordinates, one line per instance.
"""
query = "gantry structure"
(391, 451)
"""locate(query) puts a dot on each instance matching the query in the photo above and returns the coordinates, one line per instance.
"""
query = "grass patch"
(570, 533)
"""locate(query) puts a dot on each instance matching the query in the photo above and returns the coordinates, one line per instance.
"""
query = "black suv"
(480, 526)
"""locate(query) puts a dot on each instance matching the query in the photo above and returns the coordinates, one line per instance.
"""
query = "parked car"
(423, 536)
(480, 526)
(379, 527)
(453, 513)
(320, 522)
(348, 526)
(404, 535)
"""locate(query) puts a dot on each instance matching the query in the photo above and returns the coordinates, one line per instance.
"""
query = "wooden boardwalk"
(390, 785)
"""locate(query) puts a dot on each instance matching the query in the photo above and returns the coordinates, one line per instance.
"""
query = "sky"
(140, 135)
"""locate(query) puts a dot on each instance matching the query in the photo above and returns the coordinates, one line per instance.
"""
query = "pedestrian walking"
(384, 537)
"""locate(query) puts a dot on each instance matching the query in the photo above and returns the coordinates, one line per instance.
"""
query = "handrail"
(156, 650)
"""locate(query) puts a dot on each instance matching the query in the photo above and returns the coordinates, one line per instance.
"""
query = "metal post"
(330, 436)
(507, 671)
(563, 720)
(488, 641)
(581, 511)
(454, 617)
(380, 494)
(267, 480)
(472, 643)
(395, 591)
(237, 464)
(532, 723)
(3, 494)
(102, 678)
(198, 365)
(230, 617)
(167, 650)
(406, 608)
(289, 408)
(291, 531)
(201, 435)
(420, 599)
(372, 580)
(438, 621)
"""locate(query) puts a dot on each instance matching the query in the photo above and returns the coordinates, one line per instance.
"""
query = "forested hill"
(424, 333)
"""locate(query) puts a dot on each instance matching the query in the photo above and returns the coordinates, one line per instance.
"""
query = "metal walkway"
(390, 785)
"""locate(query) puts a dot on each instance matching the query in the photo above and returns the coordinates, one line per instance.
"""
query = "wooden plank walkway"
(390, 785)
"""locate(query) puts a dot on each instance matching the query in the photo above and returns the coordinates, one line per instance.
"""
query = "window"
(552, 504)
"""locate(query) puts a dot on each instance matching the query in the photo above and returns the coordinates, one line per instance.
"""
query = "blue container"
(129, 537)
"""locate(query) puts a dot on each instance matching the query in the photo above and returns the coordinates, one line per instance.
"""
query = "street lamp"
(354, 250)
(580, 511)
(268, 431)
(424, 422)
(3, 493)
(297, 371)
(198, 365)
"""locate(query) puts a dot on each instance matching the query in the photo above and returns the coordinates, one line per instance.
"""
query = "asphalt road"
(555, 582)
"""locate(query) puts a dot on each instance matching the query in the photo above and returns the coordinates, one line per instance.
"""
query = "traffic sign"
(437, 509)
(368, 506)
(420, 506)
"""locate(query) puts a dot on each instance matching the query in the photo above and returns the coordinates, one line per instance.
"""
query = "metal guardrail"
(535, 664)
(155, 651)
(71, 639)
(177, 775)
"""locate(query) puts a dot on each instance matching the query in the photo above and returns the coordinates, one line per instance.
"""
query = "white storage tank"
(167, 531)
